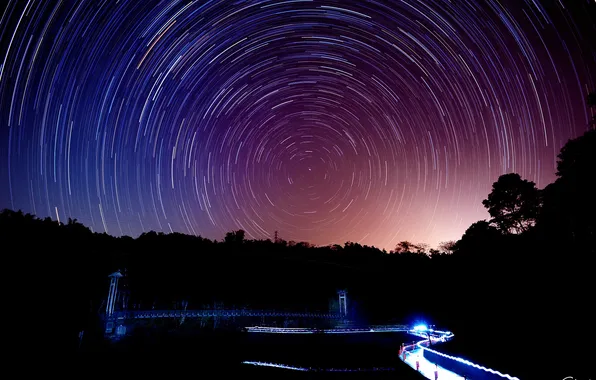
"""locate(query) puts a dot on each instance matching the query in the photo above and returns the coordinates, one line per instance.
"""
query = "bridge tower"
(111, 303)
(113, 292)
(343, 303)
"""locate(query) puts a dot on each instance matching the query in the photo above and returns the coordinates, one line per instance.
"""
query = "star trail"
(328, 121)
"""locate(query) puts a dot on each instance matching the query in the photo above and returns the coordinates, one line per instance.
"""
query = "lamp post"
(430, 328)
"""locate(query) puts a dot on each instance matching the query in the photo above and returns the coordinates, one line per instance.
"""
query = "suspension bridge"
(119, 320)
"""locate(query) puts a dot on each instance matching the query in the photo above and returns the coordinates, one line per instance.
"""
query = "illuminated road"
(411, 354)
(427, 369)
(414, 353)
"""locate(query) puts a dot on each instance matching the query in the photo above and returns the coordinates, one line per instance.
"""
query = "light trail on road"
(412, 354)
(290, 330)
(427, 368)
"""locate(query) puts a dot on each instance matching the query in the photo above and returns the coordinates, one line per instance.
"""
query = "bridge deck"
(150, 314)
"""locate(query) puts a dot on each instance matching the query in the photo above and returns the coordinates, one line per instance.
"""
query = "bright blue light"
(420, 328)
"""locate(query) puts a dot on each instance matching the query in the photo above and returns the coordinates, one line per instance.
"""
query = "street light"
(423, 328)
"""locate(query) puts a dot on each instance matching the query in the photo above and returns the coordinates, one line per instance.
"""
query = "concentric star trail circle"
(328, 121)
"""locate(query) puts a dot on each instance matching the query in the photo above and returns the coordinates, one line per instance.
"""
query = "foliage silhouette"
(447, 246)
(235, 237)
(513, 203)
(567, 218)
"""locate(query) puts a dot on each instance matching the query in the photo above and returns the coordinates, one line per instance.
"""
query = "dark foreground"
(523, 356)
(222, 353)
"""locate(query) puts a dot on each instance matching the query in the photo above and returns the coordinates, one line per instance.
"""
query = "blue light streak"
(275, 365)
(286, 330)
(304, 369)
(419, 330)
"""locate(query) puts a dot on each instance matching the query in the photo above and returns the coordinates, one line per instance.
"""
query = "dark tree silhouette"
(447, 246)
(405, 246)
(235, 237)
(576, 159)
(513, 203)
(569, 207)
(477, 238)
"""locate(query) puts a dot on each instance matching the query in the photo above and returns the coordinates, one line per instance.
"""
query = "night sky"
(329, 121)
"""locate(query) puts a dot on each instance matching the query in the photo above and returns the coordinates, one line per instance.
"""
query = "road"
(427, 369)
(413, 352)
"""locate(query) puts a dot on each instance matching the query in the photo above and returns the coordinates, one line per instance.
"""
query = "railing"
(456, 364)
(293, 330)
(150, 314)
(284, 330)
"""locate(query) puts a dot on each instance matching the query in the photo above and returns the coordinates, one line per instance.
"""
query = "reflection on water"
(226, 351)
(325, 350)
